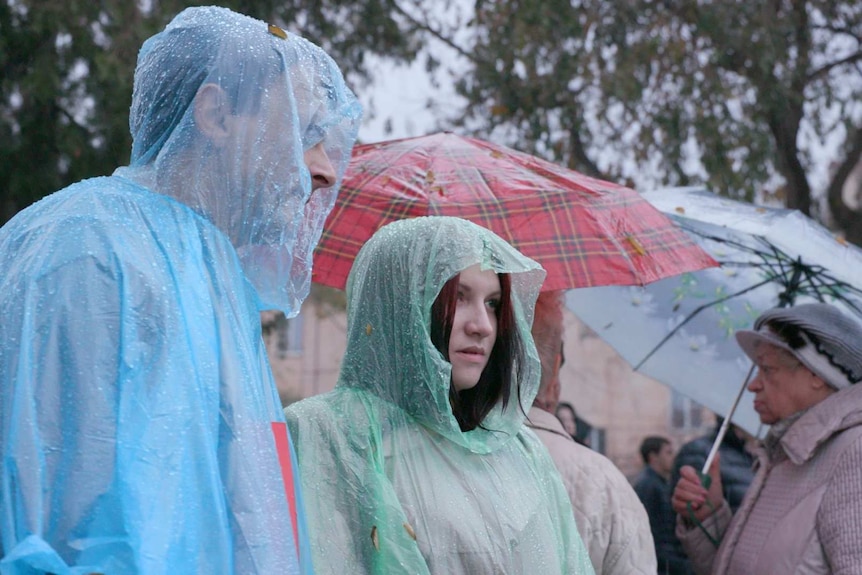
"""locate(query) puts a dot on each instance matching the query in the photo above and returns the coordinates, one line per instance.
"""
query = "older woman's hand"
(689, 490)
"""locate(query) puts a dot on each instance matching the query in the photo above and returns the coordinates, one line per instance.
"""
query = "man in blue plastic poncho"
(140, 428)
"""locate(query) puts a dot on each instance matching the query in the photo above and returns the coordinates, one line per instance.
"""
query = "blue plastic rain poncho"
(391, 483)
(140, 427)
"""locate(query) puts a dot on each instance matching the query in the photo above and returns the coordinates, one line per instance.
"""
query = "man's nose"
(322, 171)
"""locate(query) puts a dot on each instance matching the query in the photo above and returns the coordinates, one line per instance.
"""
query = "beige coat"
(610, 517)
(803, 513)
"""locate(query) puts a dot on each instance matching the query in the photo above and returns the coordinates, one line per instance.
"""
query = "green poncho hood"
(391, 483)
(394, 281)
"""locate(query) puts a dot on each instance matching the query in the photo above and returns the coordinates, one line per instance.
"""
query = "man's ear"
(211, 113)
(553, 393)
(549, 392)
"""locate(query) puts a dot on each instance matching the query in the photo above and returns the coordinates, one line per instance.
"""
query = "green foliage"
(527, 76)
(68, 68)
(673, 92)
(714, 92)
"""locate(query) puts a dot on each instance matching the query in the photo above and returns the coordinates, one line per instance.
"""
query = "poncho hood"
(287, 95)
(392, 286)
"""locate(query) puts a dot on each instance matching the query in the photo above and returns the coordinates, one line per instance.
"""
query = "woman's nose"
(317, 162)
(754, 384)
(480, 323)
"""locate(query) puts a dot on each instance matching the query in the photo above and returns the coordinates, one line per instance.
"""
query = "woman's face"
(782, 386)
(567, 418)
(474, 327)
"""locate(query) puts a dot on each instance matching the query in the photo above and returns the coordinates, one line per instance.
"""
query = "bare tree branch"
(844, 216)
(823, 70)
(582, 161)
(83, 130)
(427, 27)
(841, 30)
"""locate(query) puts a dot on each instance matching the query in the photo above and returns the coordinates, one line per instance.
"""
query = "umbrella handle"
(706, 481)
(723, 430)
(705, 477)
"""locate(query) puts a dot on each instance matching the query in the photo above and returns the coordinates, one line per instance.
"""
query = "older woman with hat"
(803, 512)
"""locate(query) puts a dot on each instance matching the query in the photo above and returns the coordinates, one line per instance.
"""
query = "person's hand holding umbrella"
(691, 490)
(697, 496)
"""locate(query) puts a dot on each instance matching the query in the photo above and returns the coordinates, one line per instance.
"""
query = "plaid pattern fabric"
(583, 231)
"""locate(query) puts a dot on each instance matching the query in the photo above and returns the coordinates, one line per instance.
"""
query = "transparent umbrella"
(680, 330)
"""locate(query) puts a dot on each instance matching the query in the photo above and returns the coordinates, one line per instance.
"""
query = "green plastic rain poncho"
(140, 427)
(382, 459)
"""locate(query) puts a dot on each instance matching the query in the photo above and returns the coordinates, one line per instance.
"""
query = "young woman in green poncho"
(418, 461)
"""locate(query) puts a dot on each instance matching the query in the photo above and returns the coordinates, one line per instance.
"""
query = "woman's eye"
(493, 303)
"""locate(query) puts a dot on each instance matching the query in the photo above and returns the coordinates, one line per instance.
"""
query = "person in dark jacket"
(653, 488)
(735, 468)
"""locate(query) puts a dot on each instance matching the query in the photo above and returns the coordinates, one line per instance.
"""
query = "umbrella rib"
(849, 303)
(837, 284)
(768, 258)
(773, 260)
(742, 246)
(777, 253)
(817, 280)
(782, 261)
(743, 264)
(691, 316)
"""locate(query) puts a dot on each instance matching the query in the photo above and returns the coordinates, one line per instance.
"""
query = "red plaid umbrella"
(585, 232)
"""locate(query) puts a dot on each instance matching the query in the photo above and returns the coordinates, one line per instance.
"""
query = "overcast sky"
(405, 95)
(400, 95)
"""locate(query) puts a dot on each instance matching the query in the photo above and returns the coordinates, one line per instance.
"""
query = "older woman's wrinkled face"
(782, 386)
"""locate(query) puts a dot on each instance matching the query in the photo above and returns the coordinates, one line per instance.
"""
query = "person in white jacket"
(610, 517)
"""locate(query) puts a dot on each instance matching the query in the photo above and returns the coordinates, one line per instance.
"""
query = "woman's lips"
(471, 354)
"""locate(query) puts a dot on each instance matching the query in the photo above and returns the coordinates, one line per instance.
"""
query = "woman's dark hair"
(470, 406)
(566, 405)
